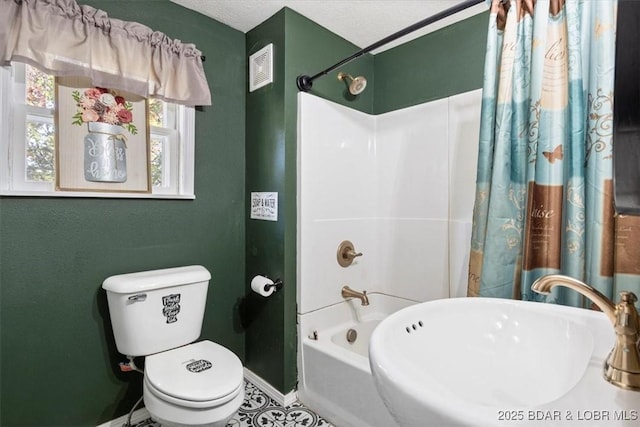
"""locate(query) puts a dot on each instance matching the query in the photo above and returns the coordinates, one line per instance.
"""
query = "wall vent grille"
(261, 68)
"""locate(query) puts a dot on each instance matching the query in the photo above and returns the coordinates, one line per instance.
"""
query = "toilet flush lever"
(138, 297)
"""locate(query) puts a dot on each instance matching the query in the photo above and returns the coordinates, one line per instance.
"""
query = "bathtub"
(334, 377)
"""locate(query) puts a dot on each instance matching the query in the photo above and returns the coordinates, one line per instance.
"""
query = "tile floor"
(259, 410)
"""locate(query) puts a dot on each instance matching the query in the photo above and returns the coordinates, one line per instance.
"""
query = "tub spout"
(347, 292)
(622, 367)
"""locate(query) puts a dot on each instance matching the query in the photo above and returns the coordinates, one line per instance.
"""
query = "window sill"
(100, 195)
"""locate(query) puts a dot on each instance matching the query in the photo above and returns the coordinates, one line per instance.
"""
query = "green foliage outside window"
(40, 152)
(156, 162)
(156, 112)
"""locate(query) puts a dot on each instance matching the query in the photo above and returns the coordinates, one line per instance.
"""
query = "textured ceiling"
(362, 22)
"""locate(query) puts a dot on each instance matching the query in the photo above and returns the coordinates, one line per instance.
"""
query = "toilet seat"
(191, 403)
(198, 375)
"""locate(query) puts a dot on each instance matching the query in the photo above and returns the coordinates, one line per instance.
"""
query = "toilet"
(158, 314)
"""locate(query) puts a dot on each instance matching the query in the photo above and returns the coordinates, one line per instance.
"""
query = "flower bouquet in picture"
(108, 117)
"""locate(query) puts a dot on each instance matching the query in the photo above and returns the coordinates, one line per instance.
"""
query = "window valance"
(67, 39)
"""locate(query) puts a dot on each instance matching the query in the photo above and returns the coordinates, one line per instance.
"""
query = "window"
(27, 140)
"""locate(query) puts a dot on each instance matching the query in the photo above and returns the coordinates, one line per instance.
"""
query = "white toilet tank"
(157, 310)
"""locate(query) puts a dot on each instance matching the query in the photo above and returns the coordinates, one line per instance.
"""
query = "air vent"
(261, 68)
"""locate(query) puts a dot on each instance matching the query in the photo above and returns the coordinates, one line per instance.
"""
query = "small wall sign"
(264, 206)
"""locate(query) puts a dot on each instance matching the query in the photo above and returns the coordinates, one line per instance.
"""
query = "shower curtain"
(544, 192)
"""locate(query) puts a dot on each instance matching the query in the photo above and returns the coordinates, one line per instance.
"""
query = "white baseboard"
(139, 415)
(281, 399)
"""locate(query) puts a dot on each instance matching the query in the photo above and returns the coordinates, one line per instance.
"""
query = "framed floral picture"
(102, 139)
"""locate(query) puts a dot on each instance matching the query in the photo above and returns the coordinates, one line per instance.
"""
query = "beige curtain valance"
(67, 39)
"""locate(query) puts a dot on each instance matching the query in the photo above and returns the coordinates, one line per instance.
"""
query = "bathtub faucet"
(622, 367)
(347, 292)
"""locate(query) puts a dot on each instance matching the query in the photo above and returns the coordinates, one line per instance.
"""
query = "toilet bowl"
(199, 384)
(158, 314)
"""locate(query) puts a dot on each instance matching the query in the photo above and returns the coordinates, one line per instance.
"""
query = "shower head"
(357, 85)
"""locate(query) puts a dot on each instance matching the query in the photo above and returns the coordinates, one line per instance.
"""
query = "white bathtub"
(334, 375)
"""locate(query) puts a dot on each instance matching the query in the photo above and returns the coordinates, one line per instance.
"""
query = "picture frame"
(102, 139)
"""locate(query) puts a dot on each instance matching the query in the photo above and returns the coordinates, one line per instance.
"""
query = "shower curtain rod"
(305, 82)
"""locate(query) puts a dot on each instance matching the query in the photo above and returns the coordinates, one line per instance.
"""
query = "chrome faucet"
(622, 367)
(347, 292)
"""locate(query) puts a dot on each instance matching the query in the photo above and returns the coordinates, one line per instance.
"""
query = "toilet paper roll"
(259, 283)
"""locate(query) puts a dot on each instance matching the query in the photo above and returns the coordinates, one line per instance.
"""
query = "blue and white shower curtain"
(544, 195)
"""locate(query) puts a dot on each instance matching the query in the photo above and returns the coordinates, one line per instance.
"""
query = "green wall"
(59, 361)
(440, 64)
(265, 162)
(300, 46)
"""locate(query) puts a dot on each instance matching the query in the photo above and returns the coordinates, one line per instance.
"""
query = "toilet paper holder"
(264, 286)
(277, 284)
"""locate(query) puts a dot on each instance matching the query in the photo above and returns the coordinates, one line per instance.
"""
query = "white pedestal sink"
(494, 362)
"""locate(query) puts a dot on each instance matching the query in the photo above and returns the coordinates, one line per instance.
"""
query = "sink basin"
(484, 362)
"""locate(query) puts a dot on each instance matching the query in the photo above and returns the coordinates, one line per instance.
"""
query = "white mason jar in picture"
(105, 156)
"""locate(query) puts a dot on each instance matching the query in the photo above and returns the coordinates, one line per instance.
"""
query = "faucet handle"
(346, 253)
(622, 367)
(352, 254)
(628, 297)
(626, 313)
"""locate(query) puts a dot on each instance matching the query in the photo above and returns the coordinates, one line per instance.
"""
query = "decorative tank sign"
(171, 307)
(107, 115)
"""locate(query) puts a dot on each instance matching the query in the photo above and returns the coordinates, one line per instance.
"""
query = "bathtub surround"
(400, 187)
(396, 185)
